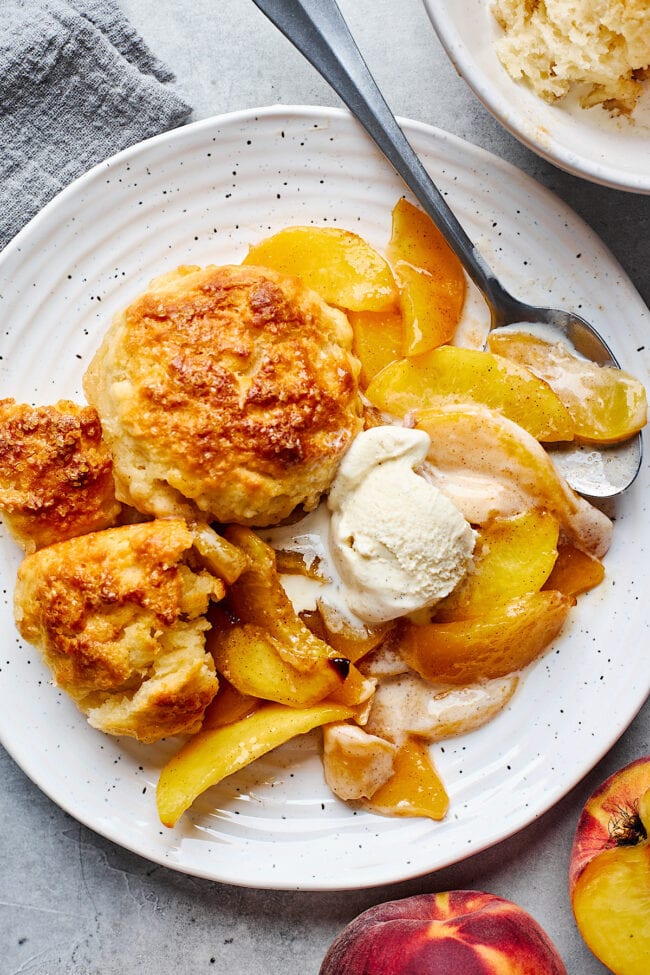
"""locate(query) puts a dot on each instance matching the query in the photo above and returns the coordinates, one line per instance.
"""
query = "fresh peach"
(609, 870)
(461, 932)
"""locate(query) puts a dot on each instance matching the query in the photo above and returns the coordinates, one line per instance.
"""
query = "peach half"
(462, 932)
(609, 871)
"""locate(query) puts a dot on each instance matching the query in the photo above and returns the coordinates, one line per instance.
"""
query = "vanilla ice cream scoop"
(397, 542)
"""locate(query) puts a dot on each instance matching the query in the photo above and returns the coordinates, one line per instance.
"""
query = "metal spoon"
(318, 30)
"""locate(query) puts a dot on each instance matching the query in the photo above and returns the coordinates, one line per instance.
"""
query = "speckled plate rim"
(343, 851)
(540, 126)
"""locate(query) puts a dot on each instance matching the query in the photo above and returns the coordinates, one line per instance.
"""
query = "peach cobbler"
(302, 496)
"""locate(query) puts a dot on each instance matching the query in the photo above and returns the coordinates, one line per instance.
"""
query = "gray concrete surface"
(73, 903)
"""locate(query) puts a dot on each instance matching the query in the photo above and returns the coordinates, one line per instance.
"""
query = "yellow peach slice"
(606, 404)
(342, 267)
(611, 905)
(452, 374)
(574, 571)
(228, 706)
(414, 789)
(251, 659)
(210, 756)
(431, 279)
(224, 559)
(502, 641)
(354, 691)
(355, 763)
(490, 466)
(378, 339)
(428, 321)
(407, 705)
(257, 597)
(353, 641)
(512, 556)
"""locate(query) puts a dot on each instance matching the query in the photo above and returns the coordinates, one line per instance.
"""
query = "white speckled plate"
(203, 193)
(612, 151)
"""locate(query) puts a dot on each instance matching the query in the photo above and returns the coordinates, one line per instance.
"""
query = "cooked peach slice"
(210, 756)
(341, 266)
(414, 789)
(355, 691)
(378, 340)
(452, 374)
(251, 659)
(355, 763)
(224, 559)
(257, 597)
(228, 706)
(431, 279)
(428, 321)
(265, 650)
(512, 556)
(490, 466)
(574, 571)
(407, 705)
(353, 641)
(502, 641)
(606, 404)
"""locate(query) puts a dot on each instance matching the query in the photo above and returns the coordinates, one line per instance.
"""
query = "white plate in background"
(592, 144)
(201, 194)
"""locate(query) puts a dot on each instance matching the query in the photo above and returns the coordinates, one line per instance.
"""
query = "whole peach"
(461, 932)
(609, 871)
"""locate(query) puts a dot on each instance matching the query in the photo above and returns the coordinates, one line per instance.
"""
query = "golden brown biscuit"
(227, 392)
(56, 474)
(119, 616)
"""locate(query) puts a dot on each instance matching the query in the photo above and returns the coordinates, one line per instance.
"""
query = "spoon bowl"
(318, 30)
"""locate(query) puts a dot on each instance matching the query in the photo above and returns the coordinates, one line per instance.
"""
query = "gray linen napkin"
(77, 83)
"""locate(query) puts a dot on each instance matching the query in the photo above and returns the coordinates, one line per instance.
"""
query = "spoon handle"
(318, 30)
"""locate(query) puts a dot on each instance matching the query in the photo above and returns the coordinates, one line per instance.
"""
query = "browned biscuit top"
(119, 616)
(231, 386)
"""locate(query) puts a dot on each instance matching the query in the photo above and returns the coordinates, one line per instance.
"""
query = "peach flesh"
(609, 873)
(605, 813)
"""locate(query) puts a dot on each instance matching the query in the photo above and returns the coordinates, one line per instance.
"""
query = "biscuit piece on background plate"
(601, 49)
(227, 394)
